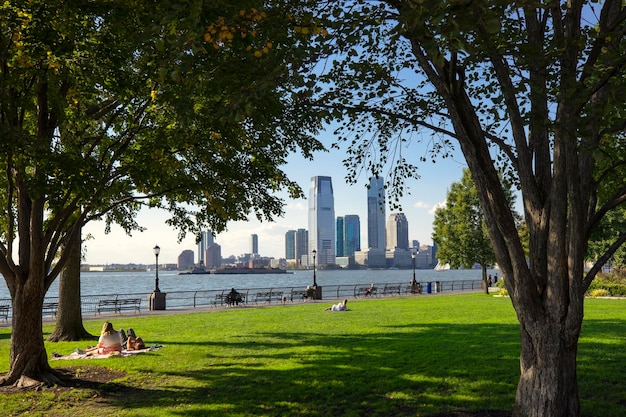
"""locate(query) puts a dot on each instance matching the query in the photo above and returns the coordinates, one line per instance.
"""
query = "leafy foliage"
(459, 228)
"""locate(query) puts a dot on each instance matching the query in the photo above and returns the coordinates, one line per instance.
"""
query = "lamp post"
(414, 282)
(156, 250)
(314, 279)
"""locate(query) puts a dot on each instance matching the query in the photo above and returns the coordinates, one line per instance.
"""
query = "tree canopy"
(107, 107)
(531, 90)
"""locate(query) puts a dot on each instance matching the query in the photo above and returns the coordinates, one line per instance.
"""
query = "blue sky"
(425, 193)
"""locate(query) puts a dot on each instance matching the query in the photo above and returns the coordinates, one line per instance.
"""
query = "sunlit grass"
(399, 356)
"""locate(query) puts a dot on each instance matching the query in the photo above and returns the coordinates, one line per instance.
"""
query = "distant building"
(348, 235)
(290, 244)
(302, 245)
(376, 236)
(213, 256)
(339, 233)
(397, 232)
(352, 234)
(185, 259)
(321, 221)
(206, 239)
(254, 243)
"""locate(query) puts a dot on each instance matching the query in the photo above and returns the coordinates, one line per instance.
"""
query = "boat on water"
(199, 270)
(442, 267)
(251, 271)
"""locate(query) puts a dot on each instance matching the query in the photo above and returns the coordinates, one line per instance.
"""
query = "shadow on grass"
(401, 371)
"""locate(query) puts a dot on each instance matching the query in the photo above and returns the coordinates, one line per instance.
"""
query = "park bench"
(50, 309)
(298, 295)
(4, 311)
(234, 300)
(220, 299)
(392, 289)
(268, 297)
(118, 305)
(360, 291)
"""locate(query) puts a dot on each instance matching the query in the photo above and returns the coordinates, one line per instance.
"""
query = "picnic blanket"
(93, 355)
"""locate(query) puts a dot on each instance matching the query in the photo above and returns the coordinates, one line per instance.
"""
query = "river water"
(100, 283)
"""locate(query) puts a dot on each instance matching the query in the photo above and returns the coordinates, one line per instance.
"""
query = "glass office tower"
(322, 221)
(376, 236)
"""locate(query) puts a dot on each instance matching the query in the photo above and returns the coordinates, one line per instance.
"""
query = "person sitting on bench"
(233, 298)
(371, 290)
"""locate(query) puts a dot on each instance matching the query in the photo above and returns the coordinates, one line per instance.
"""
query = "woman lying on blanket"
(109, 341)
(133, 342)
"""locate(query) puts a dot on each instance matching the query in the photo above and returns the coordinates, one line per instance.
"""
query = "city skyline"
(425, 194)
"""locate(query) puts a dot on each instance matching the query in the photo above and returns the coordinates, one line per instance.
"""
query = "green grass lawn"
(414, 356)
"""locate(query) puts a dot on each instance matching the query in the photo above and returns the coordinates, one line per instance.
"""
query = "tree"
(107, 107)
(460, 231)
(529, 89)
(69, 320)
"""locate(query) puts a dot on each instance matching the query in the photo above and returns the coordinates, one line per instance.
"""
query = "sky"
(426, 194)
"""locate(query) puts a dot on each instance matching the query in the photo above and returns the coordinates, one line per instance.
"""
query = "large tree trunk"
(69, 325)
(28, 357)
(548, 382)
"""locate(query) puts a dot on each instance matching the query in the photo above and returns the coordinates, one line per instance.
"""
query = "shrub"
(599, 292)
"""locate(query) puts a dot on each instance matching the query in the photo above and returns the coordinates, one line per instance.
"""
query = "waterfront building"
(321, 221)
(339, 232)
(397, 232)
(206, 239)
(376, 236)
(290, 244)
(185, 259)
(302, 245)
(213, 256)
(254, 244)
(351, 234)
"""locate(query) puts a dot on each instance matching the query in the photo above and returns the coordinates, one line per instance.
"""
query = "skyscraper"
(302, 244)
(376, 214)
(206, 240)
(340, 237)
(322, 220)
(397, 232)
(290, 244)
(254, 244)
(351, 234)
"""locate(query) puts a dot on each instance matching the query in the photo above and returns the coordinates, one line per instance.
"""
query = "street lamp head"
(156, 250)
(413, 255)
(314, 252)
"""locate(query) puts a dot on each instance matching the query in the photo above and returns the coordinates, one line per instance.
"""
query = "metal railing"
(257, 296)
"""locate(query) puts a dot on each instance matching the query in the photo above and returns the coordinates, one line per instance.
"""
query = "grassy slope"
(398, 356)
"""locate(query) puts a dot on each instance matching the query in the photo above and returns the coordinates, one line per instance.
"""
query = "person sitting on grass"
(110, 341)
(343, 306)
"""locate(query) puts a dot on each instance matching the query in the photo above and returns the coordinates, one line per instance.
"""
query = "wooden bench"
(299, 295)
(4, 311)
(360, 291)
(392, 289)
(119, 305)
(50, 309)
(268, 297)
(234, 300)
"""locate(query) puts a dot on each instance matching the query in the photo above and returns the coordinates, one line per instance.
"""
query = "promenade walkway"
(97, 307)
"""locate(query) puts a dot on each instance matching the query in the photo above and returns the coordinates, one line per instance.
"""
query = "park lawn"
(415, 356)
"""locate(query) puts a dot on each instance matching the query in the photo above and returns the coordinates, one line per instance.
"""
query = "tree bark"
(485, 281)
(28, 365)
(548, 381)
(69, 324)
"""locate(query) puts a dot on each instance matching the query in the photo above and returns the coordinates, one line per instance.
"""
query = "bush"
(599, 292)
(613, 285)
